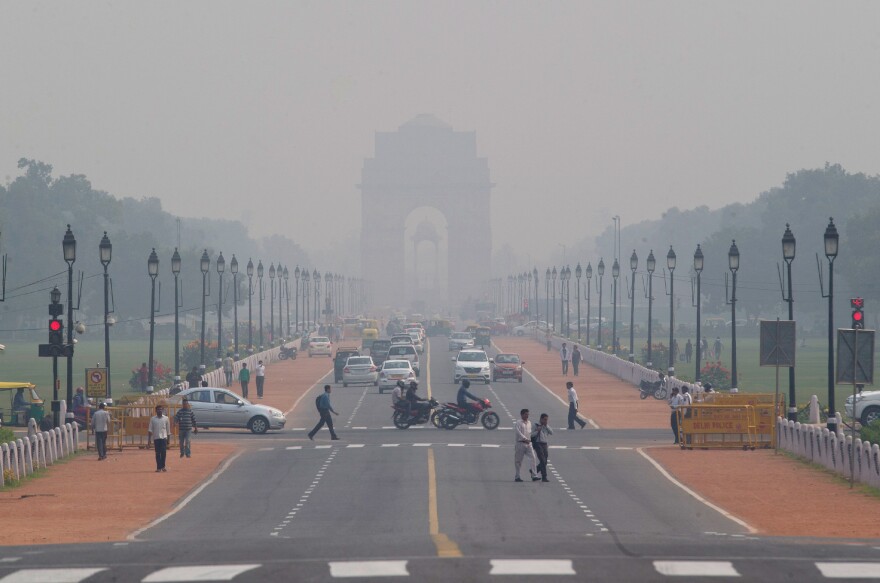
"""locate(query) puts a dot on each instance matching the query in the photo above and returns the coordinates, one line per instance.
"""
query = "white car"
(417, 341)
(472, 364)
(867, 406)
(405, 352)
(460, 340)
(529, 328)
(320, 345)
(360, 370)
(418, 330)
(222, 408)
(393, 371)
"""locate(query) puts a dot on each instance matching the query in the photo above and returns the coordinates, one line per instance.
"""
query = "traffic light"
(858, 315)
(56, 337)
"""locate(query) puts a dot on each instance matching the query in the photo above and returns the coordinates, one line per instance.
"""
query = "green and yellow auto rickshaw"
(19, 402)
(483, 337)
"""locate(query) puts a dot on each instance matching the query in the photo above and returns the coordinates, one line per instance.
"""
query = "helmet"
(466, 383)
(414, 385)
(401, 384)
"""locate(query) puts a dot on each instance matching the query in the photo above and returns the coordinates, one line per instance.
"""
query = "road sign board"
(777, 343)
(96, 383)
(852, 367)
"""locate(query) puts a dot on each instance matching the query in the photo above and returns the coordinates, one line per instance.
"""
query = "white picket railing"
(38, 450)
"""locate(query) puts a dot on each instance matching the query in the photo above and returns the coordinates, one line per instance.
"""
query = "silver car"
(222, 408)
(461, 340)
(360, 370)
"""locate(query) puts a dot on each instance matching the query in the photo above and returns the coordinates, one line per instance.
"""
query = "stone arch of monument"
(425, 163)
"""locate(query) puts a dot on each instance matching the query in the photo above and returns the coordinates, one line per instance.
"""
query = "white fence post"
(13, 458)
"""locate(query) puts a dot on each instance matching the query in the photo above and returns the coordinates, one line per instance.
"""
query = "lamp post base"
(792, 413)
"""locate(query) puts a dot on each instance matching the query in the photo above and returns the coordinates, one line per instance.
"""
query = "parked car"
(393, 371)
(867, 406)
(320, 346)
(460, 340)
(507, 366)
(215, 407)
(379, 350)
(405, 352)
(472, 364)
(360, 370)
(343, 353)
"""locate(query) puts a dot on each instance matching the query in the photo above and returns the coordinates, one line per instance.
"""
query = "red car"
(507, 366)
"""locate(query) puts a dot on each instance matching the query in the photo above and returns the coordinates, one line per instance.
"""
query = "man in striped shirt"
(186, 426)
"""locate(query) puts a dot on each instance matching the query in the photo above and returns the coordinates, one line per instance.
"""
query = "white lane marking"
(305, 495)
(14, 559)
(589, 447)
(53, 575)
(358, 427)
(489, 445)
(560, 399)
(626, 448)
(368, 569)
(266, 449)
(506, 428)
(187, 500)
(421, 445)
(696, 568)
(477, 428)
(297, 428)
(309, 390)
(558, 447)
(323, 446)
(456, 444)
(356, 407)
(294, 447)
(390, 445)
(351, 445)
(718, 509)
(849, 570)
(531, 567)
(389, 427)
(198, 573)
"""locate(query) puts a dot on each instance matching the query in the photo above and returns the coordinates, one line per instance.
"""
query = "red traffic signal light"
(858, 316)
(55, 325)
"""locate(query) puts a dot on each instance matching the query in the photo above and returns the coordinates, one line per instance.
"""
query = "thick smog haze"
(265, 111)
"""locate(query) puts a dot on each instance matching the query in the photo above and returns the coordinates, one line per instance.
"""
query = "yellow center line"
(445, 546)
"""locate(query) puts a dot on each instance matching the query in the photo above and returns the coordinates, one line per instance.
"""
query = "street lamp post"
(553, 277)
(788, 252)
(287, 298)
(316, 277)
(633, 266)
(328, 278)
(261, 294)
(106, 253)
(296, 297)
(698, 269)
(271, 304)
(233, 268)
(204, 265)
(221, 267)
(577, 274)
(306, 278)
(589, 273)
(562, 286)
(547, 296)
(670, 265)
(534, 275)
(832, 240)
(733, 264)
(153, 272)
(601, 272)
(68, 247)
(280, 272)
(175, 269)
(250, 274)
(615, 273)
(651, 265)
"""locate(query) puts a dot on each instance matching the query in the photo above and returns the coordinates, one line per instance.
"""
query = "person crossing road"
(522, 430)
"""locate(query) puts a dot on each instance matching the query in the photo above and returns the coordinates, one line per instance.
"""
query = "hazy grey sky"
(265, 110)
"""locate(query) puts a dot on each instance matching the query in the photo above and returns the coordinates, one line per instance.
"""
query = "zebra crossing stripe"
(368, 569)
(53, 575)
(198, 573)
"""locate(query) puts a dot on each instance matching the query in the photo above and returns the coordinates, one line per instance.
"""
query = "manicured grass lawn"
(19, 362)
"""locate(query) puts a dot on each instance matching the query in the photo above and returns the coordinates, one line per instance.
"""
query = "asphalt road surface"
(440, 505)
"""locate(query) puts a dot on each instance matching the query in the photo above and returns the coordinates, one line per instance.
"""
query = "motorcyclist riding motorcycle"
(464, 395)
(413, 400)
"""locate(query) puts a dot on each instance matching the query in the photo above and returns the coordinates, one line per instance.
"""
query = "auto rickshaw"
(368, 335)
(482, 337)
(20, 402)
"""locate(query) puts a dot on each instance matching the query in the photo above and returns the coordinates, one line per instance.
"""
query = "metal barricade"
(129, 424)
(718, 427)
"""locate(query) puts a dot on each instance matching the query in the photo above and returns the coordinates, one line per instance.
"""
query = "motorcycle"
(403, 419)
(655, 389)
(287, 352)
(452, 415)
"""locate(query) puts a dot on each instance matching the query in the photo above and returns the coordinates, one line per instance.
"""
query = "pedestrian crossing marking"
(368, 569)
(849, 570)
(198, 573)
(53, 575)
(696, 568)
(531, 567)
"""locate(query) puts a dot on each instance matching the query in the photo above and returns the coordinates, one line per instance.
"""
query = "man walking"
(717, 348)
(261, 377)
(158, 432)
(324, 409)
(522, 430)
(193, 378)
(228, 365)
(539, 441)
(688, 350)
(244, 377)
(186, 425)
(565, 357)
(101, 426)
(573, 407)
(575, 359)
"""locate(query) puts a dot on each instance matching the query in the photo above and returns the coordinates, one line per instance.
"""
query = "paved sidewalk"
(775, 494)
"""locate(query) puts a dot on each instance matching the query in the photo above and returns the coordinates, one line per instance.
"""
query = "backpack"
(318, 401)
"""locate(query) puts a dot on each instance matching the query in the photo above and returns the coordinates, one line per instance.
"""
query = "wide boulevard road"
(432, 504)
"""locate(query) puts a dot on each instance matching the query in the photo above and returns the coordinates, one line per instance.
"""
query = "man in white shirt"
(674, 402)
(101, 425)
(261, 376)
(522, 430)
(397, 393)
(565, 356)
(158, 432)
(573, 407)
